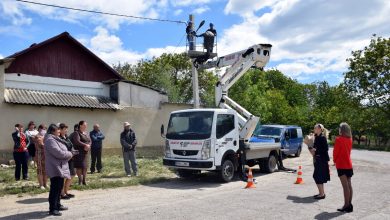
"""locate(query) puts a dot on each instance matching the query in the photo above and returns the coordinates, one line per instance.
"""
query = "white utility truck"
(218, 139)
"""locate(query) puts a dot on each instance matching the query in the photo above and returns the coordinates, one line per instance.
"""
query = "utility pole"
(195, 86)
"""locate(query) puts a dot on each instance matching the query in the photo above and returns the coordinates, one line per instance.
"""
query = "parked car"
(289, 136)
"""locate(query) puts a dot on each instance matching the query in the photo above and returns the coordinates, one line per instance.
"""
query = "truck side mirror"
(162, 131)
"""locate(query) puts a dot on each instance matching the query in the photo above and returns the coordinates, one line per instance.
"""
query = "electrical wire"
(100, 12)
(179, 43)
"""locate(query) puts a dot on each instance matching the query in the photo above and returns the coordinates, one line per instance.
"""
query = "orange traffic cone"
(250, 183)
(299, 178)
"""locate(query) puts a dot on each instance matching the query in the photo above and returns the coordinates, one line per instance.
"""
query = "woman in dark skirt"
(320, 154)
(82, 143)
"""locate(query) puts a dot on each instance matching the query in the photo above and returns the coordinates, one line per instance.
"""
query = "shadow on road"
(297, 199)
(200, 181)
(328, 215)
(28, 215)
(32, 201)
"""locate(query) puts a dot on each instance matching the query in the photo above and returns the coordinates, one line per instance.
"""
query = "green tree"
(170, 73)
(368, 76)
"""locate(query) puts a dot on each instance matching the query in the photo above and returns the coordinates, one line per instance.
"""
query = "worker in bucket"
(208, 38)
(190, 35)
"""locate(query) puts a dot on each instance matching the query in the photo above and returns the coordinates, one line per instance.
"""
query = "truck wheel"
(298, 153)
(182, 173)
(227, 171)
(271, 164)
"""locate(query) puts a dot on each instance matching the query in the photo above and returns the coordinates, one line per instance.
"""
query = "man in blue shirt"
(97, 138)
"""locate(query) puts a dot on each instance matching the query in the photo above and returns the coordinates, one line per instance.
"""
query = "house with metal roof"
(60, 80)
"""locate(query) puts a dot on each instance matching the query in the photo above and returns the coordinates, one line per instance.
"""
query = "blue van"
(289, 136)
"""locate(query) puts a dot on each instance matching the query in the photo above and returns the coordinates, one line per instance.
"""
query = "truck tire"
(227, 171)
(271, 164)
(182, 173)
(298, 153)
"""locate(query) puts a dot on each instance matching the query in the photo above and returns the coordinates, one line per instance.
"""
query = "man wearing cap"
(129, 142)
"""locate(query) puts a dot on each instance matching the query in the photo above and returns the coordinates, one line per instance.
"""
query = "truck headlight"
(167, 149)
(206, 149)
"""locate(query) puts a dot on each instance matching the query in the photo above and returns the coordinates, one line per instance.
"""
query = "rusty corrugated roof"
(33, 97)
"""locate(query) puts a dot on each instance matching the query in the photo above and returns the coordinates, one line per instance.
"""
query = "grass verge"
(113, 175)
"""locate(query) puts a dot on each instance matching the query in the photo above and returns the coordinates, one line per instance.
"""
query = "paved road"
(276, 197)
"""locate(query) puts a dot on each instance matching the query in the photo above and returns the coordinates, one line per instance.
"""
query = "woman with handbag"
(82, 143)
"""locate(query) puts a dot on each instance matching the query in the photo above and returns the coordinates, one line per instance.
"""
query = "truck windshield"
(190, 125)
(263, 131)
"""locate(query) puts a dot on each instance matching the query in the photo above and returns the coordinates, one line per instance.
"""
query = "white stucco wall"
(131, 95)
(25, 81)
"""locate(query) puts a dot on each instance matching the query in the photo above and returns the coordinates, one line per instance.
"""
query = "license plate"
(182, 164)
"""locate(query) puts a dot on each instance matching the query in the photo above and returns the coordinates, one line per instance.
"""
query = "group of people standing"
(60, 156)
(341, 158)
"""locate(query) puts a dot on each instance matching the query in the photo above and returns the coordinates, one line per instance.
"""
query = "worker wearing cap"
(129, 142)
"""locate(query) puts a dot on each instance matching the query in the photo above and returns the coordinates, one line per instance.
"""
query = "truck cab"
(289, 136)
(200, 138)
(208, 140)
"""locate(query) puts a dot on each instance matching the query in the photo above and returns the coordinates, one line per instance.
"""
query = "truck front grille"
(185, 152)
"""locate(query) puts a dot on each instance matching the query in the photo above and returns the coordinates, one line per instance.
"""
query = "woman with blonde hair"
(320, 154)
(342, 160)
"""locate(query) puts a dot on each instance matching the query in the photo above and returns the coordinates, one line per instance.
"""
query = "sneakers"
(128, 175)
(42, 188)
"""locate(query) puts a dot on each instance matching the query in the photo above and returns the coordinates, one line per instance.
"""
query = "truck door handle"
(234, 143)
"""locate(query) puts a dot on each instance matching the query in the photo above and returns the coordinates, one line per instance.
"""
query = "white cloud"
(188, 2)
(201, 10)
(1, 56)
(105, 42)
(10, 11)
(110, 48)
(309, 37)
(144, 8)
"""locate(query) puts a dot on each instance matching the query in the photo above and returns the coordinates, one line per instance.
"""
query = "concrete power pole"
(195, 83)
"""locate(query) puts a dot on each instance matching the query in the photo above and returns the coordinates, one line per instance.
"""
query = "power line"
(100, 12)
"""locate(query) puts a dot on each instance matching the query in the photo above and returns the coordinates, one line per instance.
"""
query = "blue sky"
(311, 38)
